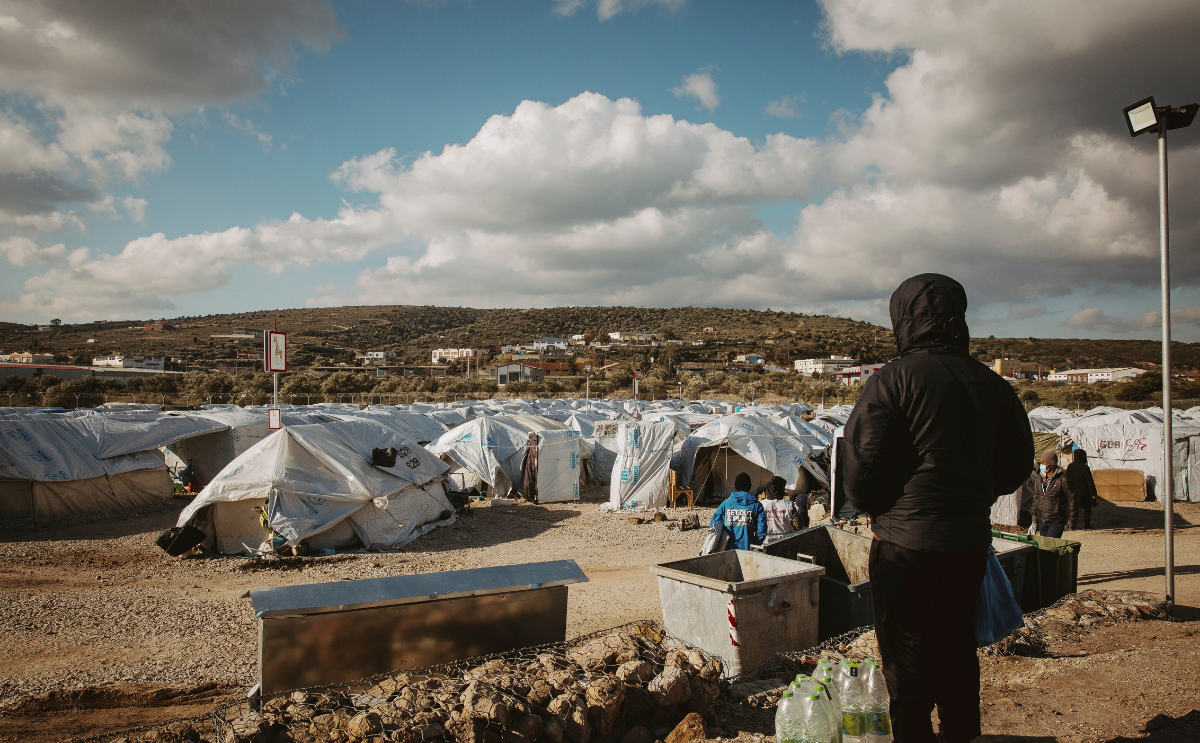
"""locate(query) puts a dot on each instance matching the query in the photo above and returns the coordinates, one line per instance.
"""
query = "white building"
(1091, 376)
(29, 357)
(152, 363)
(857, 373)
(831, 365)
(545, 344)
(446, 355)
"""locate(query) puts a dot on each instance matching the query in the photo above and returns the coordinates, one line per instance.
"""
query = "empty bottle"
(879, 720)
(815, 727)
(787, 719)
(854, 703)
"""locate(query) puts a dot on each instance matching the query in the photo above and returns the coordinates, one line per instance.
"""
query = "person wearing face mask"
(1053, 498)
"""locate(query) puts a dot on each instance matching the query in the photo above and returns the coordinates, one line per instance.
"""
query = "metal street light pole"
(1168, 442)
(1141, 117)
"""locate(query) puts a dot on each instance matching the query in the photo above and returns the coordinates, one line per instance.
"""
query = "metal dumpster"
(740, 605)
(845, 587)
(327, 633)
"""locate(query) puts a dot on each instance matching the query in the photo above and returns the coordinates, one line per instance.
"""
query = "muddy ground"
(100, 630)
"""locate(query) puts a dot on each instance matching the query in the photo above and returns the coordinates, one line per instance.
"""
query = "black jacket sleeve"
(1013, 453)
(869, 447)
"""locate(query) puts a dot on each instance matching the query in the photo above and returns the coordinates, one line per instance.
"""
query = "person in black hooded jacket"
(934, 438)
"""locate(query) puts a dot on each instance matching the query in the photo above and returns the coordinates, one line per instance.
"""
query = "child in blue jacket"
(742, 515)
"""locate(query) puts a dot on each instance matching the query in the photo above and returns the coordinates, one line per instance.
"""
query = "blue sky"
(795, 155)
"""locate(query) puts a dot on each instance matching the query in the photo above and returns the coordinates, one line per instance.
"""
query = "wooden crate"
(1117, 485)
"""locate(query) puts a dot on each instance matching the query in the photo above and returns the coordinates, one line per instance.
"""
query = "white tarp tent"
(316, 477)
(491, 449)
(50, 466)
(558, 467)
(1133, 440)
(712, 457)
(641, 474)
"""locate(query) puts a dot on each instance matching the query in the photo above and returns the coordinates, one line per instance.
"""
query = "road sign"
(274, 419)
(275, 353)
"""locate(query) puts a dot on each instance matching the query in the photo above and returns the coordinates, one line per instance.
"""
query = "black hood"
(929, 315)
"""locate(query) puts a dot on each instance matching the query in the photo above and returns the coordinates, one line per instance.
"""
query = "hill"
(330, 335)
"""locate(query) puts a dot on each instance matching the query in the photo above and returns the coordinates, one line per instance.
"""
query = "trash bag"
(997, 614)
(718, 537)
(178, 540)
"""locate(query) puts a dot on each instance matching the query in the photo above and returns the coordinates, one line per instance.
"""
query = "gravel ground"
(98, 603)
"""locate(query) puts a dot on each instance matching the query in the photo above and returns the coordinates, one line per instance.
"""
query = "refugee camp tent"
(552, 467)
(238, 429)
(318, 486)
(641, 472)
(1132, 439)
(60, 464)
(712, 457)
(817, 438)
(489, 450)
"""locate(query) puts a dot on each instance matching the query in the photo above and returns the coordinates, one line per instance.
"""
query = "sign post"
(275, 357)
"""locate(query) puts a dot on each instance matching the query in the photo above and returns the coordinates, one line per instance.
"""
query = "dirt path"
(98, 606)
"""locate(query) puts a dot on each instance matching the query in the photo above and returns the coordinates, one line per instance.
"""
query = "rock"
(527, 729)
(639, 705)
(485, 704)
(552, 731)
(183, 731)
(466, 730)
(571, 711)
(670, 687)
(635, 672)
(540, 692)
(660, 516)
(604, 697)
(712, 670)
(638, 734)
(276, 704)
(364, 724)
(636, 520)
(703, 694)
(690, 730)
(564, 681)
(686, 658)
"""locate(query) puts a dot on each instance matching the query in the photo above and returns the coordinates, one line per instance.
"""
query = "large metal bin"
(327, 633)
(742, 606)
(845, 587)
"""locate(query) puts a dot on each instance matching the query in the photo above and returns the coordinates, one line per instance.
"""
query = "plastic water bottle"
(816, 727)
(835, 707)
(787, 717)
(854, 703)
(879, 719)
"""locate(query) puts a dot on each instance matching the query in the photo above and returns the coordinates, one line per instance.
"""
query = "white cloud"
(104, 82)
(247, 126)
(135, 207)
(784, 108)
(606, 9)
(1093, 318)
(701, 86)
(21, 251)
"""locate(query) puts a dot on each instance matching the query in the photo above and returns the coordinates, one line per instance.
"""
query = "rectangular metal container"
(845, 587)
(328, 633)
(769, 604)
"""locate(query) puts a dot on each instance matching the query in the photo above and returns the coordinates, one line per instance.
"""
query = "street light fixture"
(1141, 117)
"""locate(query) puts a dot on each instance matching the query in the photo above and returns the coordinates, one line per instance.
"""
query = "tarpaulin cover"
(758, 440)
(37, 448)
(119, 433)
(641, 476)
(559, 465)
(487, 447)
(316, 475)
(1133, 440)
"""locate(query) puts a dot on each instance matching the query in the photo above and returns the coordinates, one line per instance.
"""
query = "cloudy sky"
(161, 158)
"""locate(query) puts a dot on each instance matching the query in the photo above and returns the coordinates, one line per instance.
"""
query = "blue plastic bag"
(997, 615)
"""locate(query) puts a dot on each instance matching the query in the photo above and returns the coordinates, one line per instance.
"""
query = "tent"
(712, 457)
(487, 450)
(641, 474)
(1132, 439)
(235, 431)
(318, 485)
(66, 463)
(552, 467)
